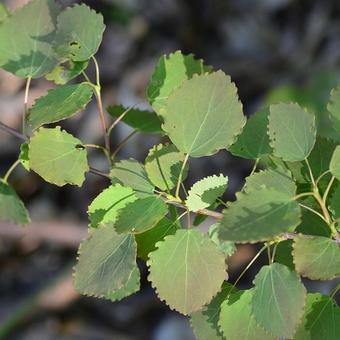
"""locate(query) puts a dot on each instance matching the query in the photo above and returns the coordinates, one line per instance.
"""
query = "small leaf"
(79, 33)
(163, 166)
(226, 247)
(237, 320)
(278, 179)
(131, 286)
(321, 319)
(132, 174)
(140, 215)
(106, 262)
(58, 157)
(140, 120)
(187, 270)
(334, 108)
(12, 209)
(104, 208)
(146, 241)
(316, 257)
(206, 191)
(292, 131)
(253, 143)
(334, 204)
(204, 115)
(66, 71)
(60, 103)
(258, 216)
(278, 300)
(23, 156)
(26, 39)
(205, 322)
(169, 74)
(334, 167)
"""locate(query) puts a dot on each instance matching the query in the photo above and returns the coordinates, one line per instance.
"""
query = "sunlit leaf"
(187, 270)
(104, 208)
(334, 167)
(58, 157)
(205, 192)
(204, 115)
(23, 156)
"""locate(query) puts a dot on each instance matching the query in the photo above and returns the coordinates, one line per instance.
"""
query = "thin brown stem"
(122, 144)
(12, 132)
(99, 173)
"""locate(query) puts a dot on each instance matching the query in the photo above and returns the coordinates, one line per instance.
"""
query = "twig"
(12, 132)
(99, 173)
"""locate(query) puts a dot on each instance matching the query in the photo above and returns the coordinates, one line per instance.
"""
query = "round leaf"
(58, 157)
(187, 270)
(204, 115)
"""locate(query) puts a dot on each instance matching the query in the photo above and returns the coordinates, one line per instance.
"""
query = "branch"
(12, 132)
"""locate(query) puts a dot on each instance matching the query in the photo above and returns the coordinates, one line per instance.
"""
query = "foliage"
(291, 205)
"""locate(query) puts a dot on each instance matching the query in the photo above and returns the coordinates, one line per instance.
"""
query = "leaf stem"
(324, 198)
(304, 194)
(122, 144)
(250, 264)
(95, 146)
(11, 169)
(12, 132)
(25, 112)
(310, 173)
(313, 211)
(181, 175)
(322, 175)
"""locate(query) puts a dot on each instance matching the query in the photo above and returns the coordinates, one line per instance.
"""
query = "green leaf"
(26, 39)
(132, 174)
(237, 320)
(312, 224)
(140, 120)
(60, 103)
(146, 242)
(140, 215)
(258, 216)
(334, 167)
(279, 299)
(205, 322)
(66, 71)
(58, 157)
(226, 247)
(12, 209)
(163, 166)
(278, 179)
(79, 33)
(104, 208)
(283, 253)
(321, 319)
(253, 143)
(169, 74)
(292, 131)
(204, 115)
(316, 257)
(23, 156)
(334, 204)
(3, 13)
(206, 191)
(131, 286)
(187, 270)
(106, 262)
(334, 108)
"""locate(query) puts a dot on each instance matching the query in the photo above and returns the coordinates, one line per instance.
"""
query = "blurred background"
(273, 50)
